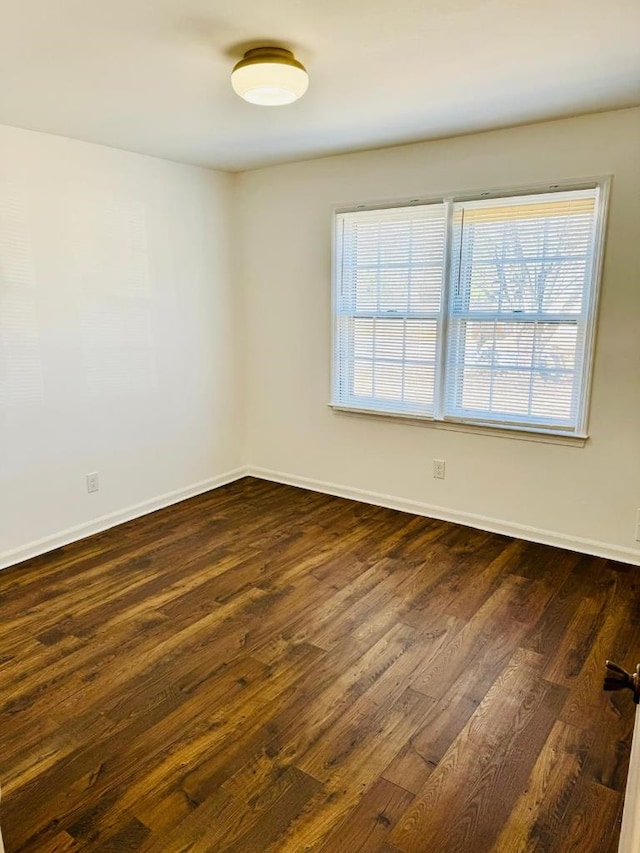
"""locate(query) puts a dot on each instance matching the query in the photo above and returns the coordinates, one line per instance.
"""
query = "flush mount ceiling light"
(269, 76)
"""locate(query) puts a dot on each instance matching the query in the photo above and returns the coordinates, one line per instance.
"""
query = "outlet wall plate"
(93, 482)
(438, 469)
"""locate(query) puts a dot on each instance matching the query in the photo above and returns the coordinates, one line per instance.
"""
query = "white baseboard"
(630, 832)
(482, 522)
(493, 525)
(97, 525)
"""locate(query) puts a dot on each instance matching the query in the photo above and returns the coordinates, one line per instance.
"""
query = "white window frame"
(534, 431)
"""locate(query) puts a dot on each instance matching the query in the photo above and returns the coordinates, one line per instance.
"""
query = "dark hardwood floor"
(268, 669)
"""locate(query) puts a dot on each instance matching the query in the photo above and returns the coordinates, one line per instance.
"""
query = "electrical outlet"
(638, 525)
(438, 469)
(93, 483)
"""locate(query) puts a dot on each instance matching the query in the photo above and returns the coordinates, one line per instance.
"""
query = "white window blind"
(389, 307)
(521, 275)
(474, 311)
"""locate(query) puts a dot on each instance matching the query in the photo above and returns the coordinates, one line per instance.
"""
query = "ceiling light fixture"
(269, 76)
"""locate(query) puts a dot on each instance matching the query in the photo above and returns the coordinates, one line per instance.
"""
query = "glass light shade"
(269, 76)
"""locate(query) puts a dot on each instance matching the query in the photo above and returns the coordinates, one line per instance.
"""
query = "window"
(476, 311)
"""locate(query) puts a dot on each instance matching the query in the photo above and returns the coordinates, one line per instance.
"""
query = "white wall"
(581, 497)
(126, 340)
(118, 344)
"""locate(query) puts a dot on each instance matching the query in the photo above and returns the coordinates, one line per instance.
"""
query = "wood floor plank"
(484, 764)
(348, 775)
(263, 669)
(539, 814)
(590, 822)
(367, 827)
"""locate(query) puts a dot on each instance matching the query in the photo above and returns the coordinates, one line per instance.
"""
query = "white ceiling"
(153, 75)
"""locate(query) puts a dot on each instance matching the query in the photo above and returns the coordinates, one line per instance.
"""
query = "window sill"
(513, 432)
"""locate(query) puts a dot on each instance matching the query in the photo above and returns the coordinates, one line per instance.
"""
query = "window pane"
(420, 340)
(363, 337)
(387, 380)
(363, 378)
(552, 395)
(366, 290)
(419, 382)
(510, 392)
(393, 287)
(425, 291)
(476, 389)
(388, 339)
